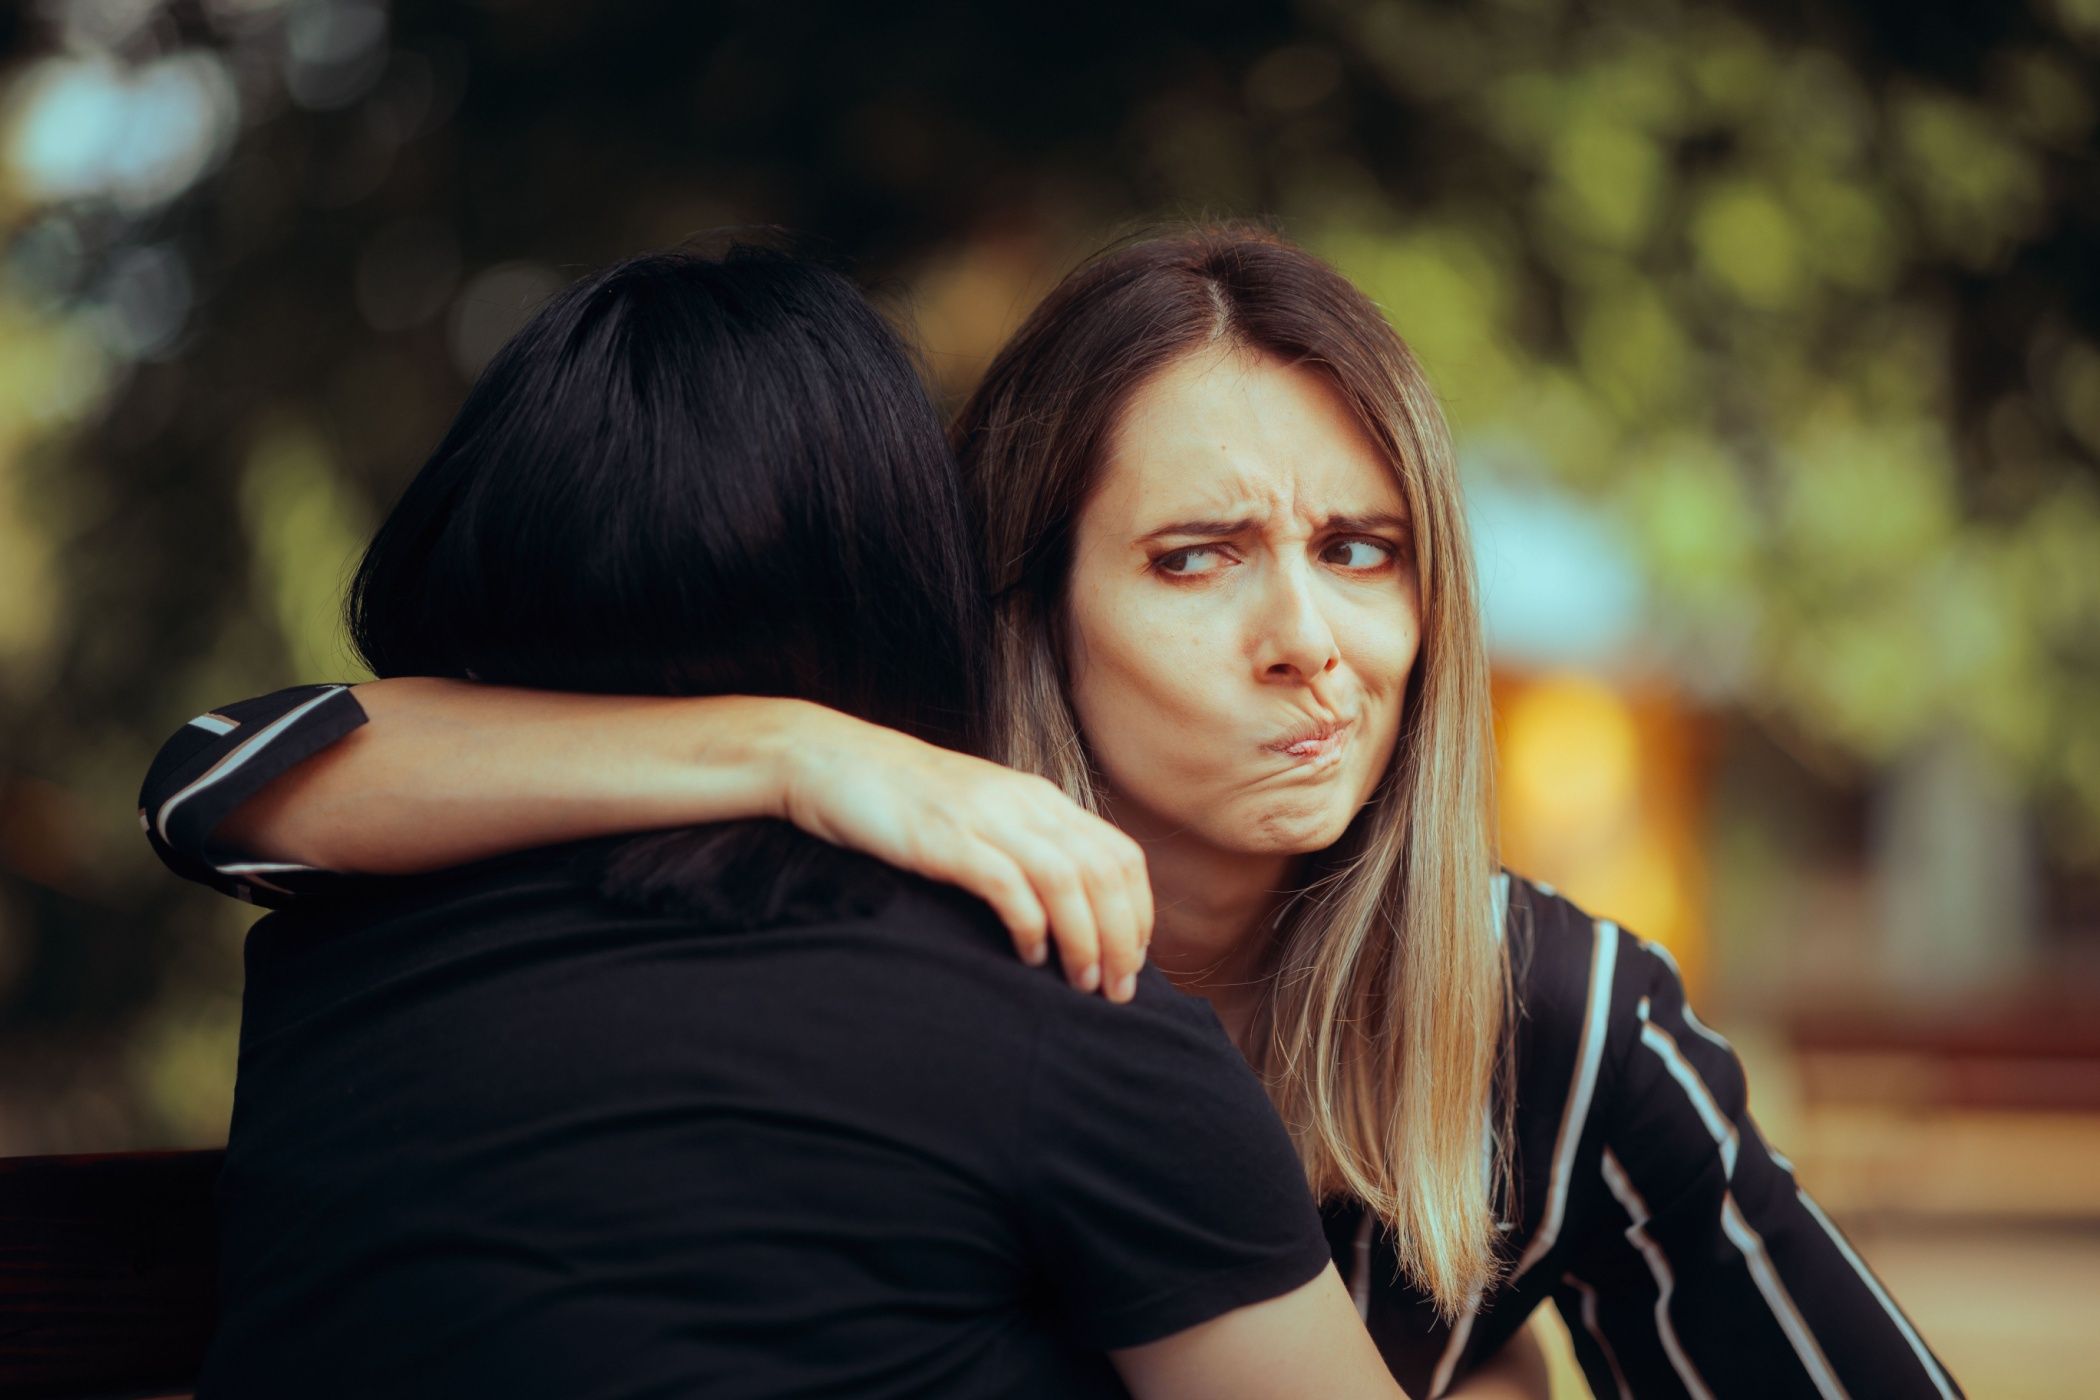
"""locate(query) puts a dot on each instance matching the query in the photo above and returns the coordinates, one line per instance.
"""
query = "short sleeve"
(1162, 1189)
(222, 758)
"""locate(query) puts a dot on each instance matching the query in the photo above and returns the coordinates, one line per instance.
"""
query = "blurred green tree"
(1806, 297)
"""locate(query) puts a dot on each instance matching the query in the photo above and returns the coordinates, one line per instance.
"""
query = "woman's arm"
(1516, 1372)
(1765, 1294)
(1307, 1342)
(447, 772)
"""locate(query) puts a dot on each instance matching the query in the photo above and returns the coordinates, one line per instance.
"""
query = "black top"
(1681, 1252)
(496, 1134)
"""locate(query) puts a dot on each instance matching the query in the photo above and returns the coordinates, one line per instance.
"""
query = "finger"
(1138, 871)
(1059, 885)
(1115, 917)
(1136, 876)
(997, 879)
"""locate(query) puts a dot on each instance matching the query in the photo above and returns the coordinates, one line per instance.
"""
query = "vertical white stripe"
(1604, 954)
(1735, 1226)
(1360, 1266)
(1665, 1281)
(1723, 1131)
(1454, 1349)
(1691, 1018)
(1779, 1300)
(1888, 1304)
(234, 761)
(1499, 894)
(1596, 1331)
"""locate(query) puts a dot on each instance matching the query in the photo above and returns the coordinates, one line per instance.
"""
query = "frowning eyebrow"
(1208, 529)
(1225, 529)
(1369, 524)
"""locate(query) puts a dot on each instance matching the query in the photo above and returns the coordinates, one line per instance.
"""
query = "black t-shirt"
(496, 1134)
(1625, 1100)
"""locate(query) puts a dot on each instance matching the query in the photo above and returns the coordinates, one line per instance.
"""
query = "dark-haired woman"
(1238, 618)
(724, 1111)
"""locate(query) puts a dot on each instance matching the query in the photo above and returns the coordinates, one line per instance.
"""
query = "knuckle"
(1078, 947)
(1044, 789)
(1058, 877)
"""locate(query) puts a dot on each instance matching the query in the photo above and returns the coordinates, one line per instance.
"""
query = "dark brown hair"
(1381, 1032)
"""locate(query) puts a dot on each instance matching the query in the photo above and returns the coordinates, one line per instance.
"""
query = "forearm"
(448, 772)
(1516, 1372)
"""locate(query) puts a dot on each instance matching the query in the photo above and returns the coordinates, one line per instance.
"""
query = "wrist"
(789, 743)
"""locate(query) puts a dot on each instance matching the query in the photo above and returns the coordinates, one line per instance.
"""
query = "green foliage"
(1808, 304)
(1740, 304)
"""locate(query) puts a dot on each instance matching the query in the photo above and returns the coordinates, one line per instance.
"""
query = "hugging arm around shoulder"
(293, 795)
(1705, 1268)
(263, 799)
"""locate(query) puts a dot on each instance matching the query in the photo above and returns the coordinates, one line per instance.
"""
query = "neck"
(1211, 929)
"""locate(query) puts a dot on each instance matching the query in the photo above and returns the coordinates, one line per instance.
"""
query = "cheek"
(1384, 651)
(1382, 648)
(1148, 688)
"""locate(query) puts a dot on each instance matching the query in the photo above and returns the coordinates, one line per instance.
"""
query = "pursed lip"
(1311, 740)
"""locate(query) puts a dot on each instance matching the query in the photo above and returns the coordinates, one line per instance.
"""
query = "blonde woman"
(1242, 645)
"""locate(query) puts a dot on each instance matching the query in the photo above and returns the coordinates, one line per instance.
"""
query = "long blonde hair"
(1381, 1030)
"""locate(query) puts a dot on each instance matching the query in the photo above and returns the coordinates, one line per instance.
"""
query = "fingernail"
(1126, 987)
(1091, 978)
(1037, 954)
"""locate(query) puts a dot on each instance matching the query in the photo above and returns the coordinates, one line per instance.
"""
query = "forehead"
(1231, 432)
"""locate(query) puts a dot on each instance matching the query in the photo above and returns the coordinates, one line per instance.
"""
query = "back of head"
(693, 475)
(688, 476)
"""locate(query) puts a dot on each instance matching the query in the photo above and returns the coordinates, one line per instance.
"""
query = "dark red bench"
(107, 1274)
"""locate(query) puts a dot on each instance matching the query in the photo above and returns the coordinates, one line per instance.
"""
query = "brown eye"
(1196, 559)
(1358, 554)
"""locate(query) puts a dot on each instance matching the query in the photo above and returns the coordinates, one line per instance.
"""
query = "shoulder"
(1583, 987)
(1569, 966)
(1162, 1054)
(928, 923)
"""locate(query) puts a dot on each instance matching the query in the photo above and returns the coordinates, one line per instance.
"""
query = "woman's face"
(1243, 609)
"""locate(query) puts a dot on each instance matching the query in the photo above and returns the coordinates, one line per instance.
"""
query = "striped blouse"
(1682, 1253)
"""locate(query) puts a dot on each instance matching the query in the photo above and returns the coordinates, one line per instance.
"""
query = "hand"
(1047, 866)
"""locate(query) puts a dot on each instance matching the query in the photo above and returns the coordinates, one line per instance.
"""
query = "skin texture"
(1241, 573)
(1306, 1342)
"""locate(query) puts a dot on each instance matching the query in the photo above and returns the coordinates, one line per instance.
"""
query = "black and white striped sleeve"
(1712, 1272)
(222, 758)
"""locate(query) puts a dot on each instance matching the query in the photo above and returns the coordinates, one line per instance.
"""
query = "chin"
(1291, 831)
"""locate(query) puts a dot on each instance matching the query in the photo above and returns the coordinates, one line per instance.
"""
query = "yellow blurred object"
(1599, 798)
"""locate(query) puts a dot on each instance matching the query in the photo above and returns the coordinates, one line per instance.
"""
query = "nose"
(1293, 640)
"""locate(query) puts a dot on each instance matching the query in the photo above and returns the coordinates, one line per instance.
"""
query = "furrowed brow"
(1368, 524)
(1207, 529)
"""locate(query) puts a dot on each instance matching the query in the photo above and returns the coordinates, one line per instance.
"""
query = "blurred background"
(1770, 335)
